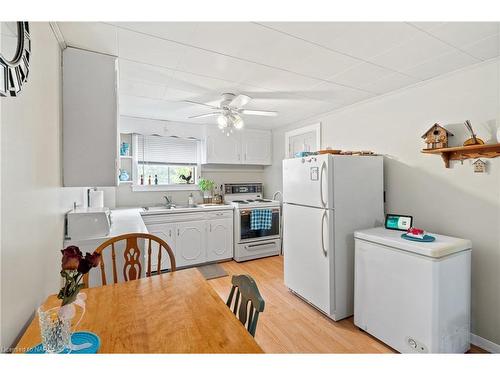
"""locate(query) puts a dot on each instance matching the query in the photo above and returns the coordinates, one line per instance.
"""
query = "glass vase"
(57, 324)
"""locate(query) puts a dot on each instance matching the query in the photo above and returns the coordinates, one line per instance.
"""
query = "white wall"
(451, 201)
(32, 199)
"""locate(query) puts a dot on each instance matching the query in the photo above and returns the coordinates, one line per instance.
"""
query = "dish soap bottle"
(190, 200)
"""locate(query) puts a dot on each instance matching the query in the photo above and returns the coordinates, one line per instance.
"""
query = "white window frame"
(305, 129)
(171, 187)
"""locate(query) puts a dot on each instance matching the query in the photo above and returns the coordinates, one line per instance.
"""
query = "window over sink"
(166, 163)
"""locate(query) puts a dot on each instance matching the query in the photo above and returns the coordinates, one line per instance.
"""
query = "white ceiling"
(299, 69)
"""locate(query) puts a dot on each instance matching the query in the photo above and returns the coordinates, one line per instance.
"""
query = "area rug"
(212, 271)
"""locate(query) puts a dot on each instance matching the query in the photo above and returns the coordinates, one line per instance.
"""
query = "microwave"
(88, 223)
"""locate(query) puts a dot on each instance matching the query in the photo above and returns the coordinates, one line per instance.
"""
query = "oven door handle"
(260, 244)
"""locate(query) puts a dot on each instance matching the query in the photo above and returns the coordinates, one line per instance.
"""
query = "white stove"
(253, 243)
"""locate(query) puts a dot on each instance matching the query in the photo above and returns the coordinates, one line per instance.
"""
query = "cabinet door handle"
(210, 227)
(178, 232)
(170, 232)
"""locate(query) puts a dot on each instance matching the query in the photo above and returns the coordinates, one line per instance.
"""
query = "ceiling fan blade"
(203, 104)
(206, 115)
(239, 101)
(258, 113)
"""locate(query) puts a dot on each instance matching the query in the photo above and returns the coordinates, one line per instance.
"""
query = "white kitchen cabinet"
(256, 147)
(190, 243)
(90, 119)
(220, 148)
(246, 146)
(219, 239)
(196, 237)
(167, 232)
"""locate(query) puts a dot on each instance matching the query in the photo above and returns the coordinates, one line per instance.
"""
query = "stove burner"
(251, 200)
(239, 201)
(263, 200)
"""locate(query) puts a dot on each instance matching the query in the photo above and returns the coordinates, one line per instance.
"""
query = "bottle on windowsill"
(149, 180)
(156, 179)
(142, 179)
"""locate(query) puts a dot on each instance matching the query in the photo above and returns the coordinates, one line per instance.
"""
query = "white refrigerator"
(326, 198)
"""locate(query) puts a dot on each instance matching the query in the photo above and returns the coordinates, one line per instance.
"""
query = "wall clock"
(15, 54)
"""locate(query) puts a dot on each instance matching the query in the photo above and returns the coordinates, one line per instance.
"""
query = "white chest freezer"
(413, 296)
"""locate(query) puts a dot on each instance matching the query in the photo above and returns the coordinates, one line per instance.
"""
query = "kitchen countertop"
(126, 220)
(198, 208)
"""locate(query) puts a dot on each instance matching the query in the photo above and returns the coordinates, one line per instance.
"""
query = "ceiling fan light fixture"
(238, 122)
(222, 121)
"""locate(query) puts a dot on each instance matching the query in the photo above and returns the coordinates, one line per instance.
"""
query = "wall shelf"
(465, 152)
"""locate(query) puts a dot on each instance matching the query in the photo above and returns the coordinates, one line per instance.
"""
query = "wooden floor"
(288, 324)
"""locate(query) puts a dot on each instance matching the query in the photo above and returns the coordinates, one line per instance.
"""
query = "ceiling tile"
(361, 75)
(274, 79)
(93, 36)
(142, 89)
(360, 39)
(486, 48)
(337, 94)
(441, 64)
(416, 51)
(150, 50)
(459, 34)
(135, 71)
(213, 65)
(178, 31)
(427, 26)
(391, 82)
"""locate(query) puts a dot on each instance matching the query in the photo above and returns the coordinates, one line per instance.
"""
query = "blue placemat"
(77, 338)
(426, 238)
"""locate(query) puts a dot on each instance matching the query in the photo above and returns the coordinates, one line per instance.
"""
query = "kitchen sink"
(166, 208)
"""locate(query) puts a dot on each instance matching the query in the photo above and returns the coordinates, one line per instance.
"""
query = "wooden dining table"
(176, 312)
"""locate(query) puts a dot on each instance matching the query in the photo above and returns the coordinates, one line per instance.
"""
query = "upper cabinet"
(247, 146)
(218, 148)
(256, 147)
(90, 119)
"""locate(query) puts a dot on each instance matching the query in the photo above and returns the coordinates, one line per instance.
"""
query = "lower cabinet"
(190, 243)
(167, 233)
(220, 239)
(194, 238)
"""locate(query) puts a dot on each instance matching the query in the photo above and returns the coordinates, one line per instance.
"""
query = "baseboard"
(484, 344)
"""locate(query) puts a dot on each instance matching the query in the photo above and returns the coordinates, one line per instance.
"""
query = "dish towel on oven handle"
(261, 219)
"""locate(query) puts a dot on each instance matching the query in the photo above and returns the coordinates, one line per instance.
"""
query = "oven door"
(246, 234)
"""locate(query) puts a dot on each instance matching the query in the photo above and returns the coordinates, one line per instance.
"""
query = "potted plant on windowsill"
(207, 187)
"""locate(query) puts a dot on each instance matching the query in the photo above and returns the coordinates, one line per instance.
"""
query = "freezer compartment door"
(308, 254)
(306, 181)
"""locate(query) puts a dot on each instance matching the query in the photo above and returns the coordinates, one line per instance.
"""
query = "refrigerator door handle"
(323, 234)
(321, 184)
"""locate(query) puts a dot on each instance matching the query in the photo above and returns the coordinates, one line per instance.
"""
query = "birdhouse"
(436, 137)
(479, 166)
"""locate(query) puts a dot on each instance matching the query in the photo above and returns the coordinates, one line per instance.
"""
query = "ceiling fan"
(230, 110)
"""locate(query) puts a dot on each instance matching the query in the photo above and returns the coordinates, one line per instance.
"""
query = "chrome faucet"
(168, 201)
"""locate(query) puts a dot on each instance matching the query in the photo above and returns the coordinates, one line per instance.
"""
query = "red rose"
(90, 261)
(71, 258)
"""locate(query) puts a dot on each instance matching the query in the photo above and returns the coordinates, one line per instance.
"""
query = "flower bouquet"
(55, 322)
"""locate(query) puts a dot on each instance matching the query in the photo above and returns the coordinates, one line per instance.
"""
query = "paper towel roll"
(96, 198)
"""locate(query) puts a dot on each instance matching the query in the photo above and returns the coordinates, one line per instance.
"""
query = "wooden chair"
(132, 255)
(246, 288)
